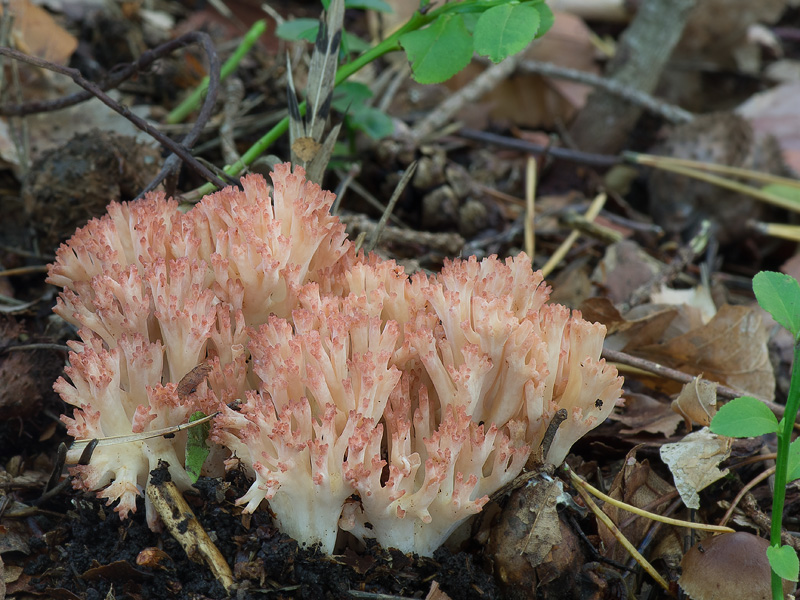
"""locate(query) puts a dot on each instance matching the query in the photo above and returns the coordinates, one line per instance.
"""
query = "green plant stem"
(782, 464)
(192, 101)
(390, 44)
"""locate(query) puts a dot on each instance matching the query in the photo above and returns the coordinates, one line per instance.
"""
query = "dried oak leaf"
(636, 484)
(731, 349)
(697, 402)
(645, 413)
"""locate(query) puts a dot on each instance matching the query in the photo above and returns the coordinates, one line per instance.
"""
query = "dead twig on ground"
(670, 112)
(576, 156)
(723, 391)
(471, 92)
(179, 150)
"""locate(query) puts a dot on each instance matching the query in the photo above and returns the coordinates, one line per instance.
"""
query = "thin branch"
(670, 112)
(576, 156)
(176, 148)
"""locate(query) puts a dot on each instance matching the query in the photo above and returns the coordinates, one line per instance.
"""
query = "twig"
(186, 529)
(42, 346)
(24, 270)
(530, 207)
(178, 149)
(581, 484)
(723, 391)
(576, 156)
(398, 191)
(670, 112)
(234, 94)
(471, 92)
(656, 161)
(119, 75)
(619, 535)
(448, 243)
(749, 486)
(591, 213)
(701, 175)
(180, 112)
(603, 125)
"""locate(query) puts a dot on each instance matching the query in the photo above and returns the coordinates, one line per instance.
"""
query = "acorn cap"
(727, 566)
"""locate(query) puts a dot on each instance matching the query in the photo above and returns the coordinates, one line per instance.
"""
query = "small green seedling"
(779, 295)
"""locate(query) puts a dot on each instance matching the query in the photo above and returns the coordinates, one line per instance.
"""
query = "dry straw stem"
(24, 270)
(530, 207)
(138, 437)
(594, 209)
(750, 485)
(581, 484)
(398, 191)
(778, 230)
(704, 172)
(617, 533)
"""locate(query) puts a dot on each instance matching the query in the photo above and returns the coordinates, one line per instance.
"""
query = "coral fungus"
(386, 405)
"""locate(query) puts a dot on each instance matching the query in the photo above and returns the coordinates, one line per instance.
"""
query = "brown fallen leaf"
(731, 349)
(636, 484)
(36, 32)
(697, 402)
(645, 413)
(624, 268)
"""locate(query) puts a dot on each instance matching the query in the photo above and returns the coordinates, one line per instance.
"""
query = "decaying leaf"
(697, 402)
(188, 384)
(36, 32)
(528, 530)
(694, 462)
(645, 413)
(644, 325)
(731, 349)
(636, 484)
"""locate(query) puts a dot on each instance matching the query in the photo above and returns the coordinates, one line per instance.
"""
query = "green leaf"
(299, 29)
(350, 92)
(376, 5)
(793, 468)
(196, 448)
(744, 417)
(439, 51)
(546, 18)
(787, 192)
(779, 295)
(372, 121)
(783, 560)
(505, 29)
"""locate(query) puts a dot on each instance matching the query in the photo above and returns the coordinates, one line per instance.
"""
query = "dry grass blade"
(322, 72)
(398, 190)
(138, 437)
(306, 135)
(705, 172)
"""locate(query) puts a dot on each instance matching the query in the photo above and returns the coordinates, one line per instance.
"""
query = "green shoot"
(779, 295)
(196, 448)
(438, 42)
(192, 101)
